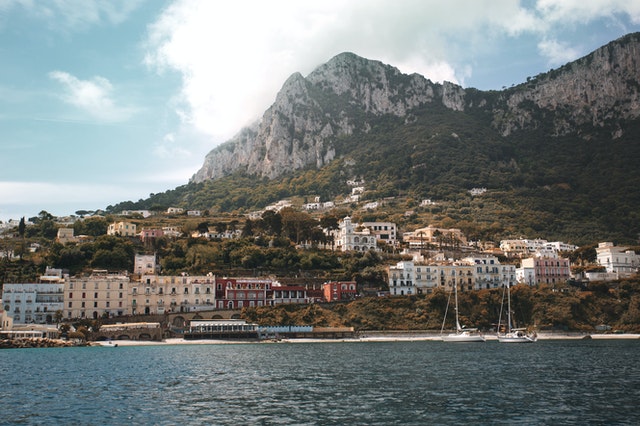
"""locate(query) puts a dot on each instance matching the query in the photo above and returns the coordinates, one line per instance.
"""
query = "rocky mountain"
(348, 96)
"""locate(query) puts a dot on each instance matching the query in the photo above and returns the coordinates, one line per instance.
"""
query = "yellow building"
(124, 229)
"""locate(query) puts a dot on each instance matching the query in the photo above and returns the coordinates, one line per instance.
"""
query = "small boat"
(513, 335)
(462, 334)
(107, 344)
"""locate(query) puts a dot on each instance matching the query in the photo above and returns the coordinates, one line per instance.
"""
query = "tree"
(21, 227)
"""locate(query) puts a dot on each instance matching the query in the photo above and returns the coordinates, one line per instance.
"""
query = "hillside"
(558, 153)
(615, 304)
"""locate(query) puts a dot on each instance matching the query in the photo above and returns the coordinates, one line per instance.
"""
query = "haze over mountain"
(562, 146)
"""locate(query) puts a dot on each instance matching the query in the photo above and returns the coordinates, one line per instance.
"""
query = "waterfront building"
(160, 294)
(340, 291)
(238, 293)
(401, 280)
(102, 294)
(544, 269)
(280, 294)
(619, 260)
(6, 320)
(490, 273)
(35, 303)
(29, 303)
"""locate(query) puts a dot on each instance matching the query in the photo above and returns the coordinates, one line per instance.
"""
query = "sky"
(103, 101)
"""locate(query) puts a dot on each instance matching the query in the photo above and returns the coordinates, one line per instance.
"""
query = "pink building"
(547, 269)
(341, 290)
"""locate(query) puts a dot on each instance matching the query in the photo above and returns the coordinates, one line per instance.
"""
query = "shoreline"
(381, 337)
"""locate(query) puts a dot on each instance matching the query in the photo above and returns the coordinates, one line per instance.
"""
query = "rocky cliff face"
(348, 93)
(598, 90)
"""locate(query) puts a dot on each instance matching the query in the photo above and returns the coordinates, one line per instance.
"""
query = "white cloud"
(581, 11)
(234, 56)
(557, 53)
(92, 96)
(73, 15)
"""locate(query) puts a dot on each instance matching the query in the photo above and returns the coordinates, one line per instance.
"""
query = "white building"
(33, 302)
(144, 264)
(472, 273)
(619, 260)
(6, 320)
(384, 231)
(490, 273)
(347, 238)
(401, 281)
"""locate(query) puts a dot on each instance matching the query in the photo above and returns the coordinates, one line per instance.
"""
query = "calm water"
(389, 383)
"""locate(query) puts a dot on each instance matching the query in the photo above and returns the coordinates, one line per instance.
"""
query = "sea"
(551, 382)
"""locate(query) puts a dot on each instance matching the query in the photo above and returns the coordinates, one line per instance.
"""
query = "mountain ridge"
(309, 113)
(560, 167)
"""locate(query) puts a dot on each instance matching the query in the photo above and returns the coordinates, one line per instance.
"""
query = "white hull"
(463, 337)
(516, 338)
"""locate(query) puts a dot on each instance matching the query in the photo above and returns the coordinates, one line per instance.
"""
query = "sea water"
(346, 383)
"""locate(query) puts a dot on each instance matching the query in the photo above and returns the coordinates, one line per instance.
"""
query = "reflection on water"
(374, 383)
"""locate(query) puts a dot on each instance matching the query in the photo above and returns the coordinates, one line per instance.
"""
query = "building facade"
(33, 303)
(354, 237)
(617, 259)
(544, 269)
(383, 231)
(124, 229)
(339, 291)
(99, 295)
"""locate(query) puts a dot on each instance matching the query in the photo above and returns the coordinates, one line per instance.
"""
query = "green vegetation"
(579, 188)
(563, 308)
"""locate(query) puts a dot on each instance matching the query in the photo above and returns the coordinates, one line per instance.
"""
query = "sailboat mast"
(455, 287)
(509, 305)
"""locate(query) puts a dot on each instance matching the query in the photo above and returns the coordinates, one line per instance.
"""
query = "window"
(95, 304)
(95, 285)
(84, 295)
(95, 295)
(84, 286)
(70, 305)
(108, 304)
(82, 305)
(70, 295)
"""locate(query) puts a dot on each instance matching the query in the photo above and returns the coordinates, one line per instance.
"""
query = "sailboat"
(513, 335)
(462, 334)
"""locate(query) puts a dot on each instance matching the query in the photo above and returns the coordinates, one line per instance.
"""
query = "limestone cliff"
(348, 93)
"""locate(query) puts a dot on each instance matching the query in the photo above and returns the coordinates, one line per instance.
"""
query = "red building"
(238, 293)
(287, 294)
(340, 290)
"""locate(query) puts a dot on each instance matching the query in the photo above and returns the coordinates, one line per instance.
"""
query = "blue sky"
(108, 101)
